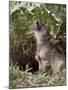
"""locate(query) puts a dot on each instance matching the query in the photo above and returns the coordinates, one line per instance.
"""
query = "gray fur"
(47, 55)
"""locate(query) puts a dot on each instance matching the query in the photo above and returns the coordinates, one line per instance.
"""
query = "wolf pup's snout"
(38, 25)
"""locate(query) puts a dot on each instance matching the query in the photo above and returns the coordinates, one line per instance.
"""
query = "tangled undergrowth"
(24, 50)
(25, 79)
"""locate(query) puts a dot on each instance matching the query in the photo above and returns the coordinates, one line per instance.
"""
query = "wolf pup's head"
(41, 32)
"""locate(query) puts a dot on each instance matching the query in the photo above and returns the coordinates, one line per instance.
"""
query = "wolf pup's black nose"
(38, 25)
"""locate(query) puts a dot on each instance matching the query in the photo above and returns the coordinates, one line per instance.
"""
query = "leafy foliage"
(22, 14)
